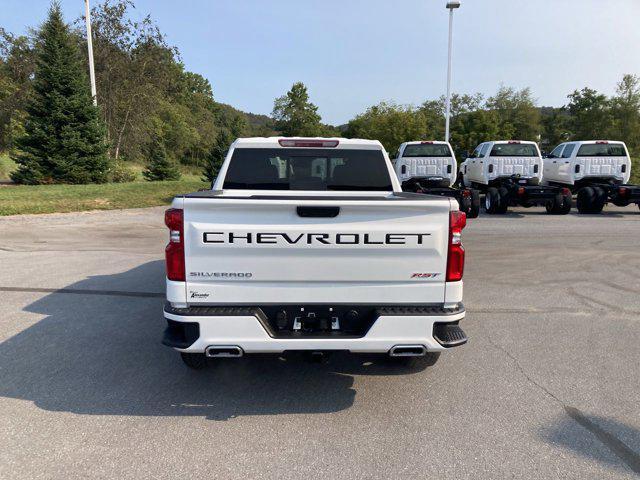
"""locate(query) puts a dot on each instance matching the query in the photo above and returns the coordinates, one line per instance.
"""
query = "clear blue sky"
(355, 53)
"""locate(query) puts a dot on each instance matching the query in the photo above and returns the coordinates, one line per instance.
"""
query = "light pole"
(451, 6)
(92, 72)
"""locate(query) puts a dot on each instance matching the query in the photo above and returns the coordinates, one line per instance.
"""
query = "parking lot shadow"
(575, 428)
(100, 354)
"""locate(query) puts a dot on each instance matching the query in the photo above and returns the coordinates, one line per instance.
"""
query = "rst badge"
(425, 275)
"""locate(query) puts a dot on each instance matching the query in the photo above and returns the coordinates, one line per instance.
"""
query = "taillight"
(622, 191)
(174, 253)
(455, 256)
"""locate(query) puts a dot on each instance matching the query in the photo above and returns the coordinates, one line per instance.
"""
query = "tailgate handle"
(318, 212)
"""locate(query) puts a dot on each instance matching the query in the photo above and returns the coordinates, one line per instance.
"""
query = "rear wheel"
(591, 200)
(465, 205)
(195, 361)
(504, 200)
(474, 211)
(601, 199)
(560, 205)
(492, 200)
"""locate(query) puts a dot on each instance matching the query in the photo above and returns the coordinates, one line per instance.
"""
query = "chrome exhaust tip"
(224, 351)
(408, 351)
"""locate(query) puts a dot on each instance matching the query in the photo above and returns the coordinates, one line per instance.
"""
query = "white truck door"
(551, 164)
(564, 165)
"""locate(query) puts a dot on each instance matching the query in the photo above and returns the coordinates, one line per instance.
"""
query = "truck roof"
(420, 142)
(591, 142)
(274, 142)
(524, 142)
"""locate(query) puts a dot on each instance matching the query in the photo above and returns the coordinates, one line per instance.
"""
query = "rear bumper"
(195, 329)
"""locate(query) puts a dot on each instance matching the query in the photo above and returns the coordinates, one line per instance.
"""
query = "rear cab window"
(427, 150)
(313, 169)
(514, 150)
(602, 150)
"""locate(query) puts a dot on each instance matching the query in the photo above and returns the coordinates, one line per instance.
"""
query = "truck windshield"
(307, 169)
(514, 150)
(602, 150)
(427, 150)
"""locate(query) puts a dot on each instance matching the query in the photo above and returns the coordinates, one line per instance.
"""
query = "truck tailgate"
(248, 251)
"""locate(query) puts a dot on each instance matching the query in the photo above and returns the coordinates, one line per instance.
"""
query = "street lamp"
(92, 72)
(451, 6)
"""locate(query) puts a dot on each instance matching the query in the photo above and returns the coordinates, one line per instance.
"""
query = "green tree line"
(153, 111)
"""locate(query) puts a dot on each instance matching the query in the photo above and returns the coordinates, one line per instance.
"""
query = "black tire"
(474, 211)
(560, 205)
(195, 361)
(591, 200)
(415, 363)
(465, 205)
(504, 200)
(586, 199)
(601, 199)
(492, 201)
(567, 204)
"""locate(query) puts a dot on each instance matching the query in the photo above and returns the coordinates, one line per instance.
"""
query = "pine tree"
(64, 139)
(216, 155)
(160, 166)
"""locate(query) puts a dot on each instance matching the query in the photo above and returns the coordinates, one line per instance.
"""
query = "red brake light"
(566, 191)
(602, 142)
(174, 253)
(514, 141)
(285, 142)
(427, 143)
(622, 191)
(455, 257)
(520, 190)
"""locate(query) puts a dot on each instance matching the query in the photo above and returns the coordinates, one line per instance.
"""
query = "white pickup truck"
(430, 167)
(309, 244)
(510, 173)
(597, 170)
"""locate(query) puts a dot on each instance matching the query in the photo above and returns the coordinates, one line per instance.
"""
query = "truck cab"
(493, 161)
(510, 173)
(597, 170)
(426, 159)
(430, 167)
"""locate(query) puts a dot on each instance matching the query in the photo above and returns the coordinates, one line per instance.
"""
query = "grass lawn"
(6, 166)
(22, 199)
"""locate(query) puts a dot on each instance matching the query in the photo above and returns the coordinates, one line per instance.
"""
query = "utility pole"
(92, 72)
(451, 6)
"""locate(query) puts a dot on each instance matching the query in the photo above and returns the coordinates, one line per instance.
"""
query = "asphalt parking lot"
(547, 387)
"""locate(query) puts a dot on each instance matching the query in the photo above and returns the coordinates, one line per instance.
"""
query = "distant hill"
(258, 125)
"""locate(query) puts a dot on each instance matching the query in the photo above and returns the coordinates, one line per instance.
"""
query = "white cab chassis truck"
(430, 167)
(309, 244)
(510, 173)
(597, 170)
